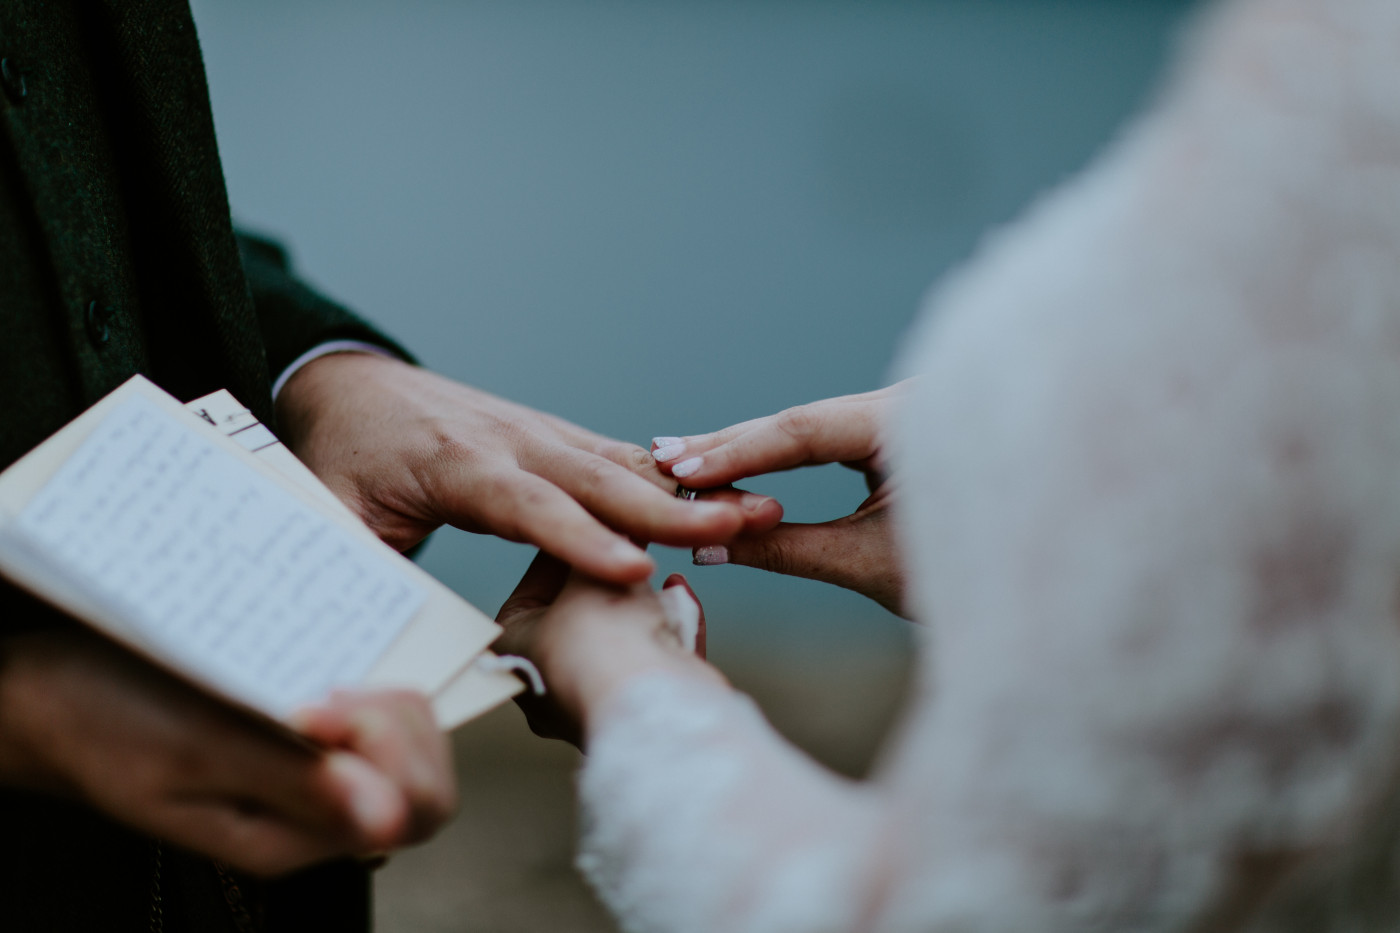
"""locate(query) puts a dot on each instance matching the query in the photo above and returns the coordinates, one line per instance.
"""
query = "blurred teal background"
(662, 217)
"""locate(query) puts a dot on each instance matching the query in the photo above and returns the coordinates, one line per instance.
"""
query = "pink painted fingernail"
(711, 555)
(687, 467)
(659, 442)
(671, 452)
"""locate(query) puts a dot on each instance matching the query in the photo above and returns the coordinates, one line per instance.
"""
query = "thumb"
(851, 552)
(817, 552)
(540, 586)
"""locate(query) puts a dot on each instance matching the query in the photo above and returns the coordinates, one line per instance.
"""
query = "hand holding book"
(257, 595)
(411, 450)
(82, 718)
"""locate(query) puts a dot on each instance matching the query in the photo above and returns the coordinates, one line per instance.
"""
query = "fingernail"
(751, 502)
(687, 467)
(659, 442)
(711, 555)
(669, 452)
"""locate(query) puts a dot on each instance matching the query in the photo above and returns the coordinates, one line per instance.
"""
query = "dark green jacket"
(117, 256)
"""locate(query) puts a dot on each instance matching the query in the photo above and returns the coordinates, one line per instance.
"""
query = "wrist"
(320, 383)
(584, 686)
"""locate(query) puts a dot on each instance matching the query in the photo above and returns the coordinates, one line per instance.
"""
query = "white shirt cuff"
(326, 349)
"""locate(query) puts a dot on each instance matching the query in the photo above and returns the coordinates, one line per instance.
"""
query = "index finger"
(838, 430)
(396, 733)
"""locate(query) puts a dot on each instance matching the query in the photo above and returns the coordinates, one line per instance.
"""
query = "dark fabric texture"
(293, 317)
(117, 257)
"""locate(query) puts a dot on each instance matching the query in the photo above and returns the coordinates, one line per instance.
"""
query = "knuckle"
(788, 554)
(595, 471)
(429, 462)
(777, 556)
(534, 501)
(445, 446)
(637, 459)
(799, 423)
(498, 487)
(509, 506)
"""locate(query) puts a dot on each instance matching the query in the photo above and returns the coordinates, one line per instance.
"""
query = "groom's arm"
(410, 450)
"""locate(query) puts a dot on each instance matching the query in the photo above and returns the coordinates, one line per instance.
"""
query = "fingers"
(760, 512)
(839, 430)
(633, 505)
(521, 506)
(246, 837)
(170, 742)
(799, 550)
(854, 553)
(266, 809)
(568, 502)
(253, 833)
(154, 753)
(678, 581)
(393, 732)
(278, 776)
(356, 797)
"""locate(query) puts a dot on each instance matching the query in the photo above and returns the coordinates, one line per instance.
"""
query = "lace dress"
(1150, 504)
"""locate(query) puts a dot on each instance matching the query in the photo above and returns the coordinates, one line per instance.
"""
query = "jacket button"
(98, 318)
(12, 77)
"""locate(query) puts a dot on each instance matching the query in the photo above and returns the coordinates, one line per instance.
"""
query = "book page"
(213, 565)
(446, 635)
(231, 419)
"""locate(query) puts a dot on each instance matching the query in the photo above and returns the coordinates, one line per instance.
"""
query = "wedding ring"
(683, 493)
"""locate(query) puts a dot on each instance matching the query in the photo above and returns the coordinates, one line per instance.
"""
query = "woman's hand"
(856, 551)
(82, 718)
(589, 638)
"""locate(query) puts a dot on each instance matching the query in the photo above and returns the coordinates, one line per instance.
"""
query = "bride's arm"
(696, 814)
(1148, 476)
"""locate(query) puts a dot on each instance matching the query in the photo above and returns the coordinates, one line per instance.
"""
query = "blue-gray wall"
(653, 216)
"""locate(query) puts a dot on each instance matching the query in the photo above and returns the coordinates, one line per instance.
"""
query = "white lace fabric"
(786, 846)
(1150, 507)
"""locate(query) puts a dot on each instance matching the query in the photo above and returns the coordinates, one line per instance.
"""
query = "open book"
(190, 535)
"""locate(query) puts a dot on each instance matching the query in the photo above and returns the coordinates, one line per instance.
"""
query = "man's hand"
(410, 450)
(82, 718)
(856, 551)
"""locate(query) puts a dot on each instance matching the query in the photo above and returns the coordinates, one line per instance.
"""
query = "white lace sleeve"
(697, 817)
(1150, 503)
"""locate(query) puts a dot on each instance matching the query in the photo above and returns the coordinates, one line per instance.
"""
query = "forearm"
(698, 817)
